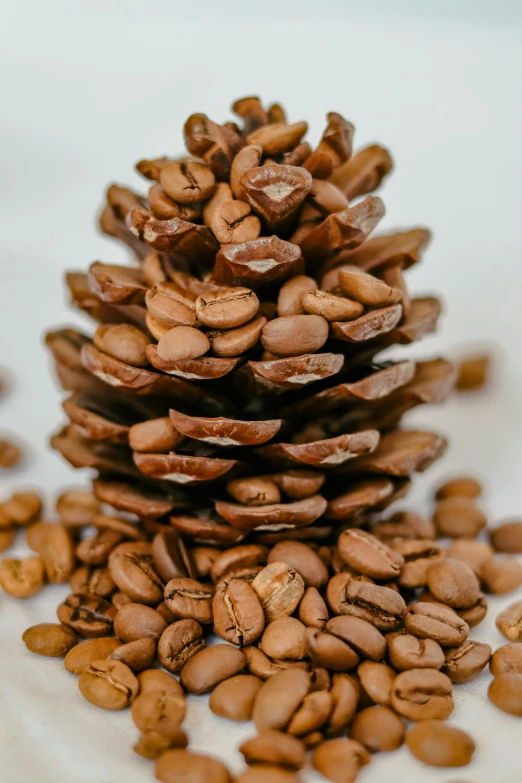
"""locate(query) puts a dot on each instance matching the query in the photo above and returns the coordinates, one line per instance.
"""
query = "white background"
(89, 88)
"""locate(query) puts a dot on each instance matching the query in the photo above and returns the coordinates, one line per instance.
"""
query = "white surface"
(90, 88)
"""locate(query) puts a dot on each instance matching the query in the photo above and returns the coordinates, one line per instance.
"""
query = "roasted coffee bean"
(227, 308)
(237, 557)
(378, 729)
(155, 435)
(453, 583)
(204, 558)
(408, 652)
(169, 306)
(279, 697)
(278, 137)
(435, 743)
(247, 158)
(260, 664)
(418, 554)
(182, 342)
(22, 578)
(96, 549)
(187, 182)
(132, 567)
(501, 575)
(158, 710)
(331, 306)
(274, 747)
(108, 684)
(54, 545)
(170, 555)
(329, 651)
(7, 537)
(422, 694)
(340, 760)
(207, 668)
(404, 524)
(179, 642)
(473, 553)
(379, 605)
(377, 680)
(232, 222)
(158, 680)
(234, 698)
(80, 657)
(189, 599)
(179, 766)
(463, 487)
(235, 342)
(137, 621)
(366, 288)
(289, 301)
(124, 342)
(21, 508)
(294, 335)
(361, 635)
(77, 507)
(119, 599)
(509, 622)
(89, 615)
(267, 773)
(49, 639)
(152, 744)
(438, 622)
(280, 588)
(508, 537)
(312, 713)
(472, 373)
(254, 491)
(345, 698)
(507, 658)
(10, 455)
(476, 613)
(137, 655)
(465, 662)
(89, 579)
(313, 611)
(303, 559)
(284, 638)
(238, 614)
(458, 517)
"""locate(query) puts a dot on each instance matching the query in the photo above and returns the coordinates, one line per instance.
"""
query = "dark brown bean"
(313, 611)
(187, 182)
(438, 622)
(207, 668)
(465, 662)
(187, 598)
(379, 605)
(303, 559)
(80, 657)
(137, 621)
(327, 650)
(507, 658)
(170, 555)
(234, 698)
(340, 760)
(238, 614)
(179, 642)
(132, 567)
(49, 639)
(361, 635)
(238, 557)
(378, 729)
(422, 694)
(89, 615)
(179, 766)
(89, 579)
(435, 743)
(108, 684)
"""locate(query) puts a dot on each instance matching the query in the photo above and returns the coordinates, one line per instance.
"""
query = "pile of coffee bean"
(330, 649)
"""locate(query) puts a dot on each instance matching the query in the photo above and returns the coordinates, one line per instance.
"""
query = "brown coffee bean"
(278, 137)
(10, 455)
(366, 288)
(507, 658)
(279, 697)
(95, 550)
(458, 517)
(366, 554)
(158, 710)
(294, 335)
(22, 578)
(108, 684)
(465, 662)
(152, 744)
(329, 651)
(227, 308)
(377, 680)
(254, 491)
(326, 197)
(132, 567)
(7, 537)
(361, 635)
(80, 657)
(313, 611)
(234, 342)
(453, 583)
(284, 638)
(119, 599)
(345, 698)
(422, 694)
(463, 487)
(289, 301)
(378, 729)
(273, 748)
(438, 622)
(238, 614)
(238, 557)
(501, 575)
(89, 579)
(261, 665)
(340, 760)
(508, 537)
(267, 773)
(473, 373)
(234, 698)
(89, 615)
(232, 222)
(170, 555)
(435, 743)
(155, 435)
(137, 655)
(179, 766)
(77, 507)
(169, 305)
(280, 588)
(158, 680)
(21, 508)
(247, 158)
(179, 642)
(187, 182)
(49, 639)
(509, 622)
(405, 524)
(207, 668)
(182, 342)
(381, 606)
(330, 306)
(124, 342)
(54, 545)
(187, 598)
(312, 713)
(137, 621)
(303, 559)
(204, 557)
(473, 553)
(407, 652)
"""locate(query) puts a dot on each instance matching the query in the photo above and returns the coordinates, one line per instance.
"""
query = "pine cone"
(233, 386)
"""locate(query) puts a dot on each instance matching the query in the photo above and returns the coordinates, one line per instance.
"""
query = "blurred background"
(90, 88)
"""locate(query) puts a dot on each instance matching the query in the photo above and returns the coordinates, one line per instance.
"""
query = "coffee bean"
(155, 435)
(284, 638)
(152, 744)
(54, 545)
(10, 455)
(453, 583)
(377, 680)
(158, 680)
(204, 557)
(340, 760)
(237, 557)
(187, 182)
(170, 306)
(21, 508)
(280, 588)
(438, 622)
(458, 517)
(124, 342)
(136, 621)
(89, 579)
(95, 550)
(227, 308)
(422, 694)
(361, 635)
(49, 639)
(267, 773)
(501, 575)
(89, 615)
(238, 614)
(366, 288)
(466, 661)
(508, 537)
(379, 605)
(279, 697)
(476, 613)
(294, 335)
(327, 650)
(473, 553)
(7, 537)
(235, 342)
(189, 599)
(234, 698)
(274, 747)
(313, 611)
(232, 222)
(180, 766)
(331, 306)
(278, 137)
(247, 158)
(80, 657)
(289, 301)
(435, 743)
(472, 372)
(182, 342)
(303, 559)
(170, 555)
(207, 668)
(463, 486)
(132, 567)
(407, 652)
(345, 698)
(311, 714)
(507, 658)
(77, 507)
(509, 622)
(378, 729)
(108, 684)
(179, 642)
(137, 655)
(260, 664)
(158, 710)
(119, 599)
(22, 578)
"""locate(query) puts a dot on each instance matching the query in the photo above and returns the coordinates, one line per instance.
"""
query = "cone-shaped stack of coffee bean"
(235, 386)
